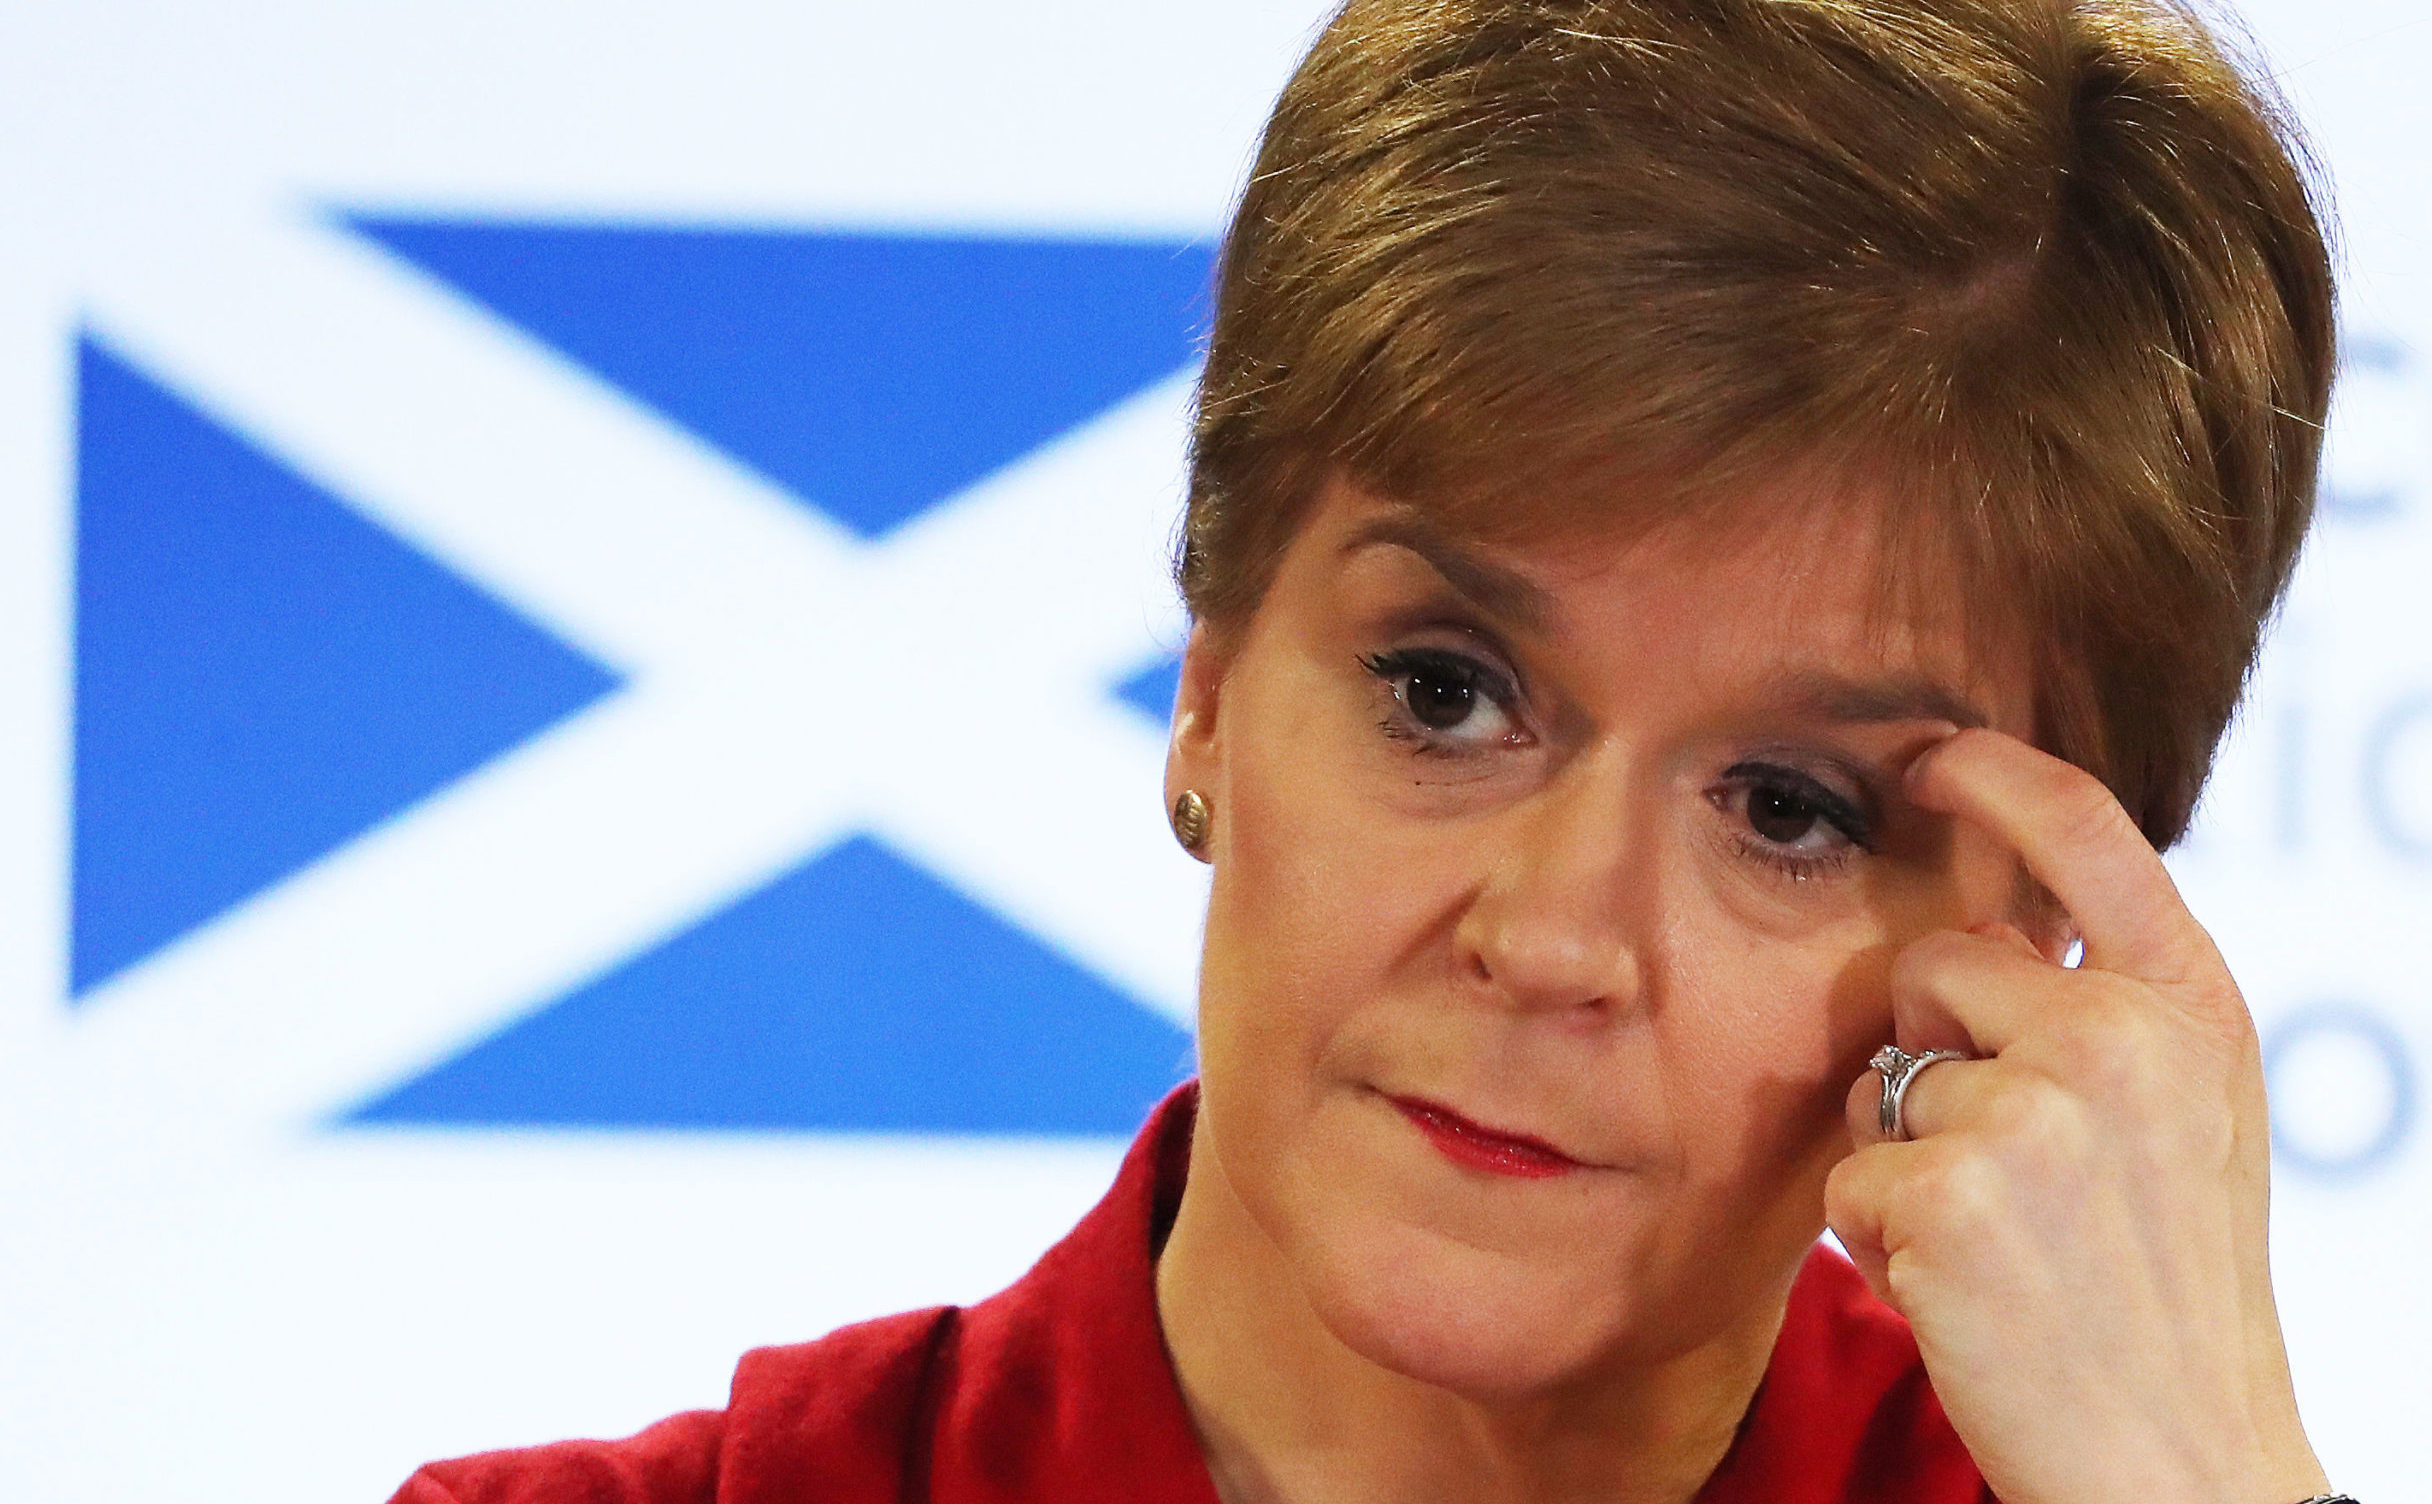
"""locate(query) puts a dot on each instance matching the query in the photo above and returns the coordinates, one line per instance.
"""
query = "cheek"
(1767, 1025)
(1331, 909)
(1299, 929)
(1762, 1038)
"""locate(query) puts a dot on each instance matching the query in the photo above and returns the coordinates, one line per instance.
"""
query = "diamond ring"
(1898, 1068)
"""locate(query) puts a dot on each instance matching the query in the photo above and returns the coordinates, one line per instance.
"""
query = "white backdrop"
(227, 1271)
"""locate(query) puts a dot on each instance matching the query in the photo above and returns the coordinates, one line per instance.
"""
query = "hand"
(2076, 1230)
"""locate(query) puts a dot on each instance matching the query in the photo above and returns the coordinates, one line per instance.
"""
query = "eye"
(1793, 820)
(1446, 699)
(1782, 816)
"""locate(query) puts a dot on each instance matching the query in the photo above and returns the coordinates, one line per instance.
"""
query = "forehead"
(1798, 593)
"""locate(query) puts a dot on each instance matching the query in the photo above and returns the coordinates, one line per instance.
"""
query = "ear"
(1194, 750)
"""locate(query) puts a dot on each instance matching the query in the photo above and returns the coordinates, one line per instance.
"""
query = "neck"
(1288, 1414)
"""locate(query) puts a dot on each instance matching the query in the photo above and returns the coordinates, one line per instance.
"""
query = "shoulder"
(830, 1418)
(1846, 1412)
(675, 1460)
(1056, 1388)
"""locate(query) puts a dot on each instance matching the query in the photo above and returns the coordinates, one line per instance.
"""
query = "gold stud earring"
(1190, 819)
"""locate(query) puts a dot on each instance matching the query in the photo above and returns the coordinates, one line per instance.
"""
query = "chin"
(1490, 1327)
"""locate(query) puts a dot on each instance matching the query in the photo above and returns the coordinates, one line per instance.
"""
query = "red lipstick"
(1466, 1143)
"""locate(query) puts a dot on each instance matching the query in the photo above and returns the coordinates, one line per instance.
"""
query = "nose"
(1559, 917)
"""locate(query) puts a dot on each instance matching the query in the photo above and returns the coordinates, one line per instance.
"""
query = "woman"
(1723, 536)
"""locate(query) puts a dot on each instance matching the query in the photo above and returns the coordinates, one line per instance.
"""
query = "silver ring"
(1898, 1068)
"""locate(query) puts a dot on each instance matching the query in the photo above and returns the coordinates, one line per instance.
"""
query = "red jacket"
(1058, 1391)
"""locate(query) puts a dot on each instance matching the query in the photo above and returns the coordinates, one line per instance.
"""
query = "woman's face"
(1555, 890)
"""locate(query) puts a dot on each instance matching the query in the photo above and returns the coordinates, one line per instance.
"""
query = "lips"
(1481, 1148)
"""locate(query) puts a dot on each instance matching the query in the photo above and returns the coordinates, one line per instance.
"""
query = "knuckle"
(1955, 1192)
(1925, 964)
(1860, 1107)
(2042, 1132)
(2087, 814)
(1905, 1279)
(2166, 1085)
(1846, 1201)
(1861, 1194)
(2110, 1044)
(2032, 1110)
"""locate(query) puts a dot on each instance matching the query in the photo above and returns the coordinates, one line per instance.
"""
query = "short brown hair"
(2054, 265)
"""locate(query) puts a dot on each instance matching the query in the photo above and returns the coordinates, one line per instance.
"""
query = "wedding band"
(1898, 1068)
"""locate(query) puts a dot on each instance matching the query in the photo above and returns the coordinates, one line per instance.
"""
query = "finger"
(2010, 935)
(1943, 1094)
(2076, 840)
(1973, 991)
(1856, 1195)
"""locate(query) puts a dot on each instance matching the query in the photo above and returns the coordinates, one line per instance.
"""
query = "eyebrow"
(1507, 593)
(1492, 587)
(1899, 697)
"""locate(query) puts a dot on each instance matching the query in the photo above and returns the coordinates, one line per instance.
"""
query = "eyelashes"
(1793, 821)
(1445, 703)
